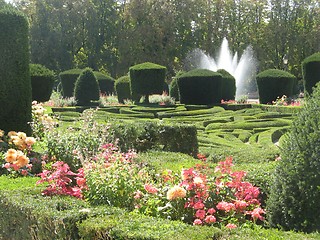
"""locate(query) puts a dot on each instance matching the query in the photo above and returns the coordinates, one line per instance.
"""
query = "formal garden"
(87, 156)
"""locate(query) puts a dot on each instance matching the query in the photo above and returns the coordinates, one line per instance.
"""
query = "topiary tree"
(200, 86)
(294, 196)
(86, 88)
(228, 89)
(15, 84)
(146, 79)
(68, 79)
(106, 83)
(122, 87)
(311, 71)
(42, 81)
(173, 87)
(273, 83)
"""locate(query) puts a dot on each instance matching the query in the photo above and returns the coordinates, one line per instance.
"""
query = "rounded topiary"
(228, 89)
(15, 84)
(294, 196)
(273, 83)
(200, 86)
(146, 79)
(42, 81)
(68, 79)
(311, 71)
(106, 83)
(122, 87)
(86, 88)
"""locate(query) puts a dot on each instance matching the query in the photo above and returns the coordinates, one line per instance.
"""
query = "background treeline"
(111, 36)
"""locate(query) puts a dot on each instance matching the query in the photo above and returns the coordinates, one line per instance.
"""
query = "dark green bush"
(294, 196)
(122, 87)
(311, 71)
(42, 81)
(200, 86)
(143, 136)
(106, 83)
(86, 88)
(15, 84)
(273, 83)
(146, 79)
(228, 91)
(68, 79)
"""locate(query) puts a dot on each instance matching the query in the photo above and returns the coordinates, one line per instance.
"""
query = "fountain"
(244, 70)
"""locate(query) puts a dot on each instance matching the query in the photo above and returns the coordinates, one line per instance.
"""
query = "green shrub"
(200, 86)
(294, 196)
(106, 83)
(273, 83)
(15, 90)
(68, 79)
(42, 81)
(122, 87)
(142, 136)
(228, 91)
(146, 79)
(86, 88)
(311, 71)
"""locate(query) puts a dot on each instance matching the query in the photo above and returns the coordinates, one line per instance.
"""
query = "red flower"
(198, 205)
(256, 213)
(150, 189)
(210, 219)
(231, 226)
(201, 214)
(211, 211)
(197, 222)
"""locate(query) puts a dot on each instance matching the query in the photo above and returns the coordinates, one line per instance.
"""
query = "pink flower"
(198, 205)
(256, 213)
(197, 222)
(150, 189)
(201, 214)
(7, 165)
(225, 206)
(211, 211)
(137, 195)
(231, 226)
(24, 172)
(210, 219)
(240, 205)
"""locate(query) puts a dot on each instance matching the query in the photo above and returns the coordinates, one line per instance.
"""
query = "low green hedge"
(25, 214)
(145, 135)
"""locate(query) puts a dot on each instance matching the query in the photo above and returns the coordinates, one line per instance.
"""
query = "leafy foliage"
(295, 190)
(311, 71)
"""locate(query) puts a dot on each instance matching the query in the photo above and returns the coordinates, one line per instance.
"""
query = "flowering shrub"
(163, 100)
(62, 181)
(56, 100)
(198, 196)
(15, 148)
(221, 200)
(41, 122)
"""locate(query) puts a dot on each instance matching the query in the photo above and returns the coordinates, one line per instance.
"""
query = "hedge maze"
(250, 134)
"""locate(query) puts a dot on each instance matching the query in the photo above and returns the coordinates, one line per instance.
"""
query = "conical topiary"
(86, 88)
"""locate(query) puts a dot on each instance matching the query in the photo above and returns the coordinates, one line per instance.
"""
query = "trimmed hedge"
(15, 90)
(147, 78)
(106, 83)
(173, 87)
(42, 81)
(311, 71)
(142, 136)
(68, 79)
(122, 87)
(86, 88)
(228, 91)
(273, 83)
(200, 86)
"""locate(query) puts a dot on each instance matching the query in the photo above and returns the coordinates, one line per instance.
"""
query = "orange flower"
(11, 155)
(12, 133)
(21, 160)
(176, 192)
